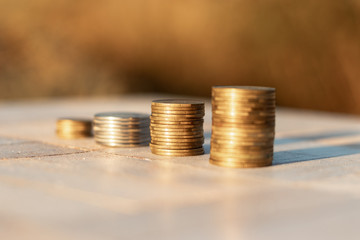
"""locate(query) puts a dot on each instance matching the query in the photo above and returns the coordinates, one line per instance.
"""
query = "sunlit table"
(75, 189)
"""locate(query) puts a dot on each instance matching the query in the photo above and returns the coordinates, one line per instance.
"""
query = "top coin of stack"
(176, 127)
(243, 126)
(73, 128)
(122, 129)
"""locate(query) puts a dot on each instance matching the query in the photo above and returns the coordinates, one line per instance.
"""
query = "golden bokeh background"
(309, 50)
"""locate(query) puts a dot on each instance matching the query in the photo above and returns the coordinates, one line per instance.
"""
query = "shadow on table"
(315, 137)
(308, 154)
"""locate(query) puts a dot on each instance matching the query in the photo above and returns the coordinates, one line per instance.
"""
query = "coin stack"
(243, 126)
(122, 129)
(70, 128)
(176, 127)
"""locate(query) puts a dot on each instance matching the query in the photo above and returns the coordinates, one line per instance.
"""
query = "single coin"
(198, 109)
(177, 102)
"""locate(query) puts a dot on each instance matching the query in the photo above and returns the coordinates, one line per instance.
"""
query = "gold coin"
(163, 129)
(174, 126)
(250, 149)
(252, 103)
(182, 122)
(74, 121)
(175, 147)
(173, 116)
(242, 143)
(243, 121)
(241, 153)
(177, 153)
(191, 134)
(177, 139)
(238, 102)
(240, 158)
(177, 103)
(241, 139)
(239, 135)
(253, 128)
(122, 130)
(181, 144)
(240, 165)
(174, 119)
(244, 89)
(243, 96)
(178, 112)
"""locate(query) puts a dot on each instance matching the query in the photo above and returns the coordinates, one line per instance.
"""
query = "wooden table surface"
(74, 189)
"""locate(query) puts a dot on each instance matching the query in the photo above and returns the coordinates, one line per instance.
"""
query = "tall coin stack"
(243, 126)
(122, 129)
(70, 128)
(176, 127)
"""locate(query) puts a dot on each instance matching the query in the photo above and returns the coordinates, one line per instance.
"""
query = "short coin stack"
(70, 128)
(176, 127)
(243, 126)
(122, 129)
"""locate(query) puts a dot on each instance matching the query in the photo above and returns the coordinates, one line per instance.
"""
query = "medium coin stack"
(122, 129)
(243, 126)
(70, 128)
(176, 127)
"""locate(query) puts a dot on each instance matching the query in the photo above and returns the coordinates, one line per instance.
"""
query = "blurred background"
(309, 50)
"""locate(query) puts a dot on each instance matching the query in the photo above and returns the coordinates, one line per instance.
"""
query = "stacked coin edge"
(176, 127)
(72, 128)
(121, 129)
(243, 126)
